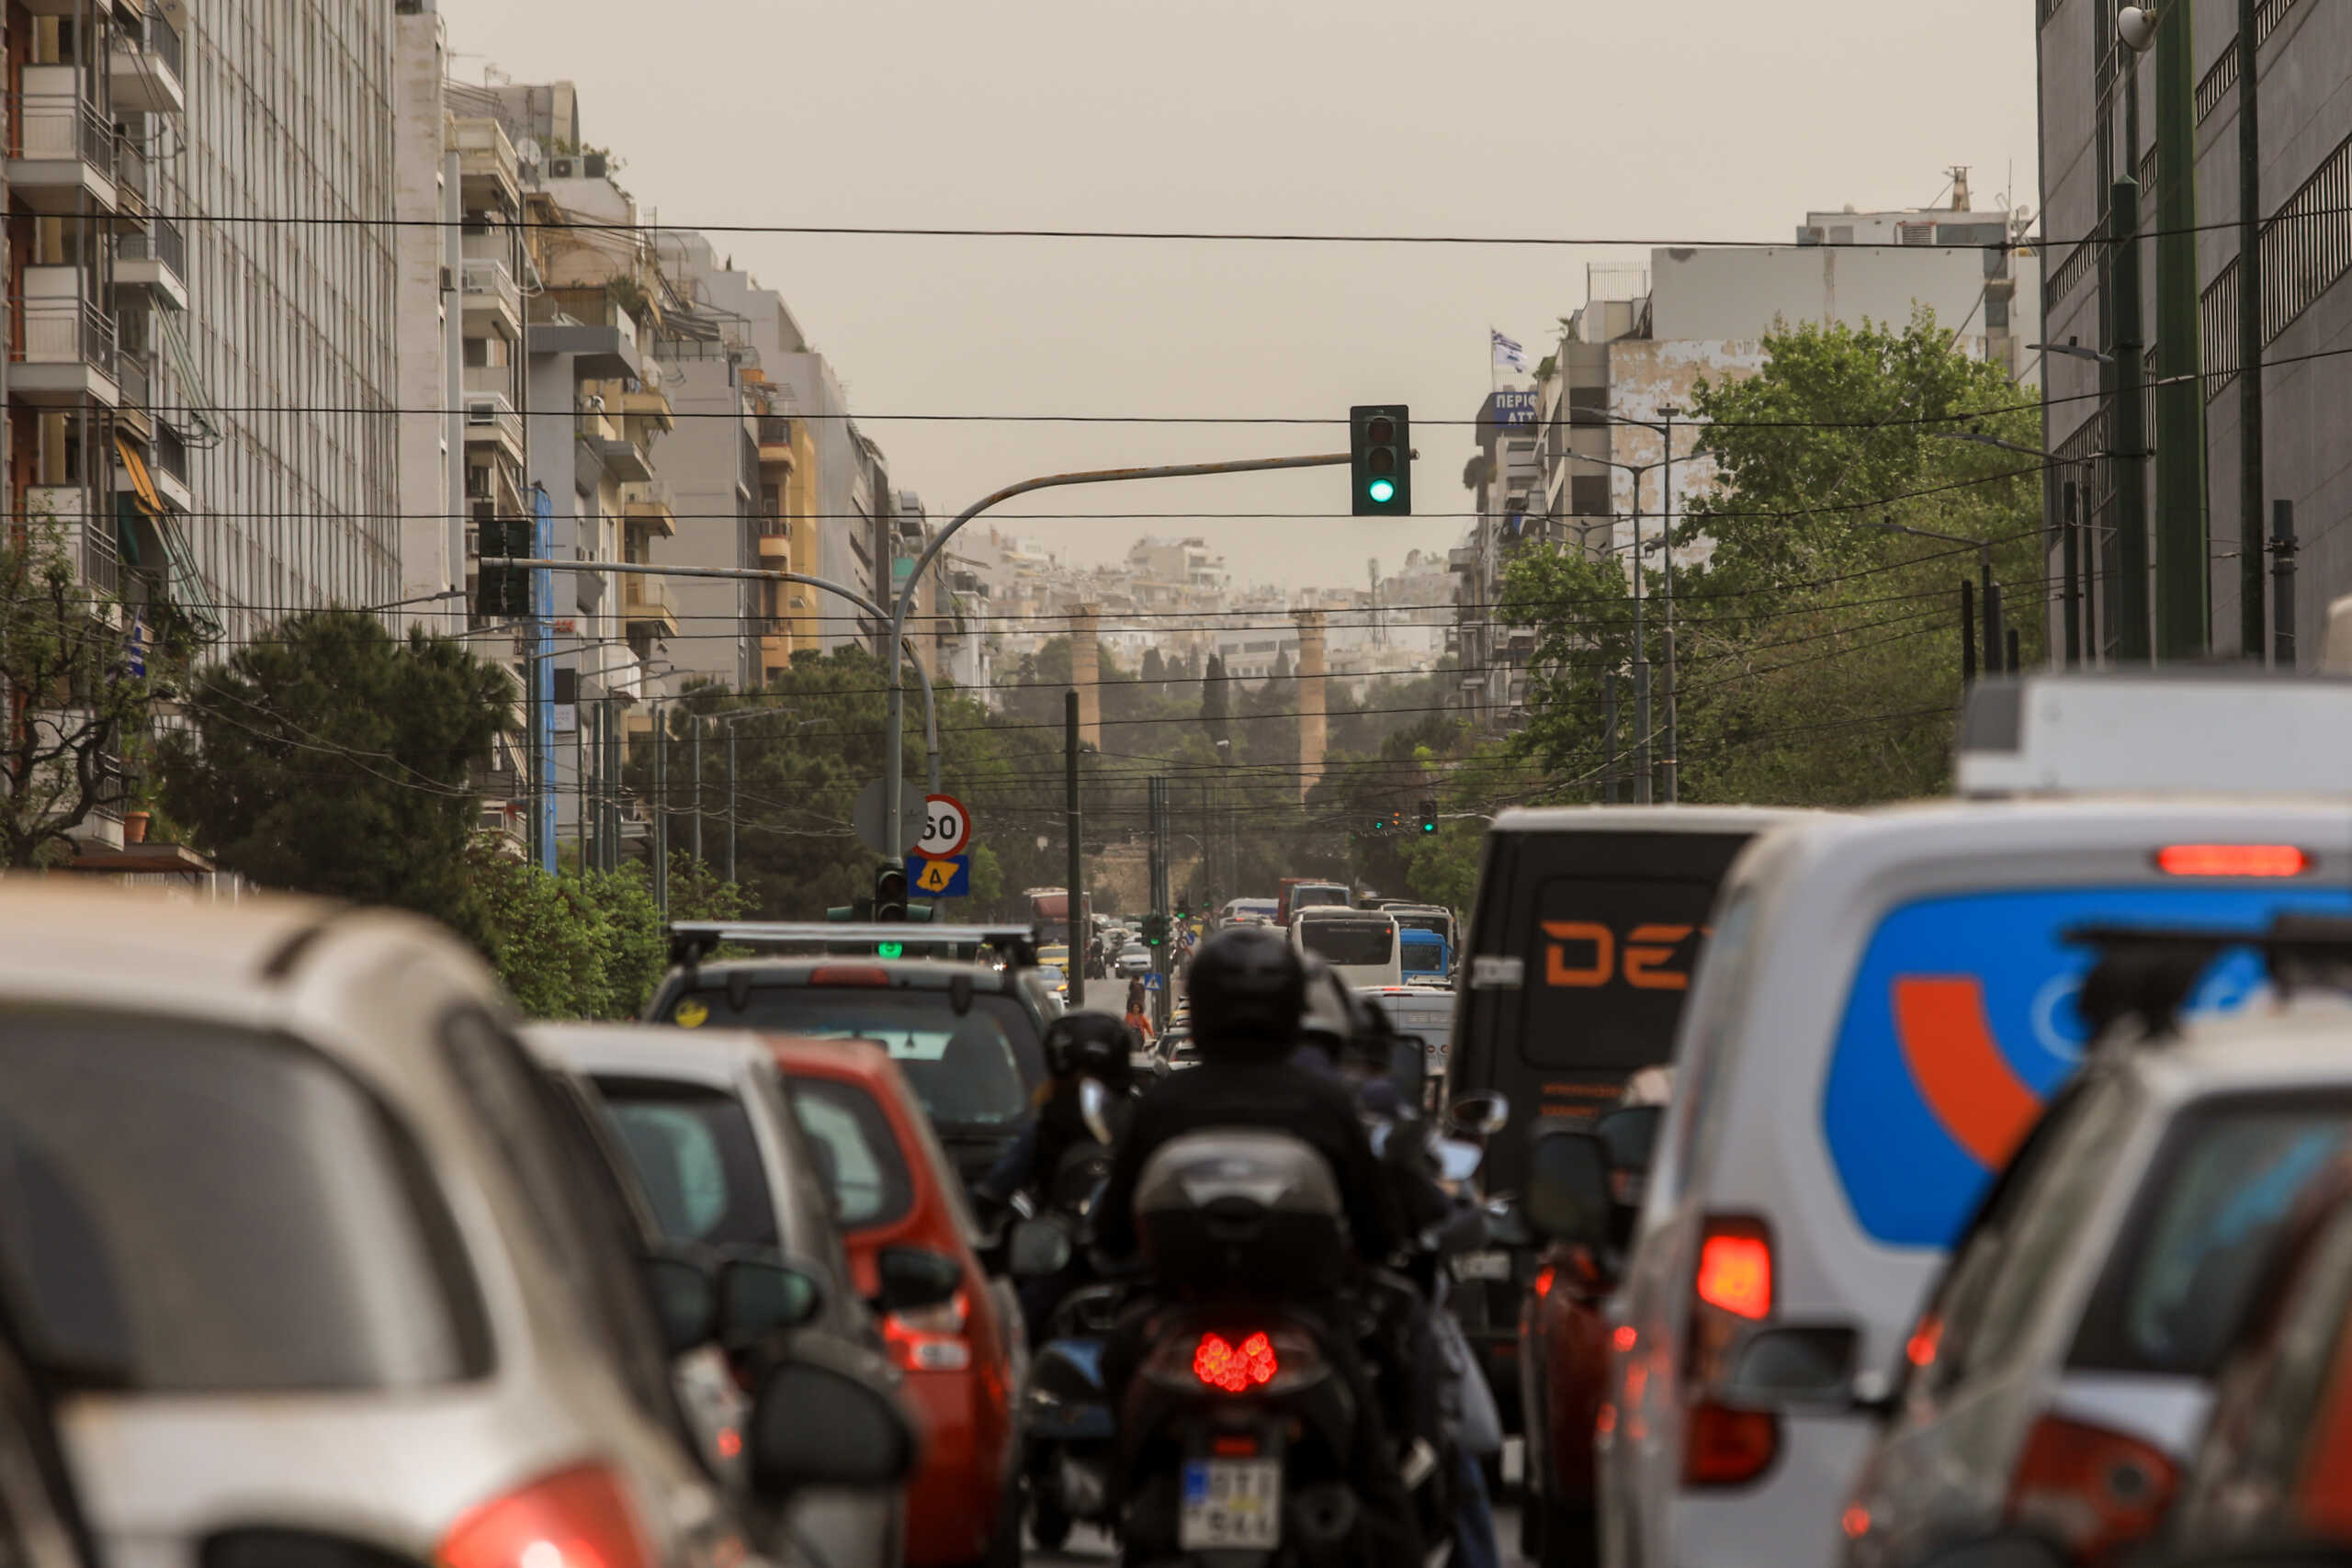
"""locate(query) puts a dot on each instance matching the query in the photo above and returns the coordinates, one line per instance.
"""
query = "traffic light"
(891, 891)
(1429, 817)
(1154, 929)
(1380, 460)
(503, 591)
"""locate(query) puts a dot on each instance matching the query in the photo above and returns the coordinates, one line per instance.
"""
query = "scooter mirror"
(1094, 1110)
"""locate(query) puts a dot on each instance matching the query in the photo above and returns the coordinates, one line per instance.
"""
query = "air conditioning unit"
(592, 165)
(1921, 233)
(481, 412)
(565, 168)
(448, 280)
(1809, 236)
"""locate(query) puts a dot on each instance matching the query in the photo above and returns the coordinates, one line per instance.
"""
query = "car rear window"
(1354, 942)
(1610, 967)
(697, 1158)
(967, 1070)
(858, 1158)
(2202, 1232)
(189, 1208)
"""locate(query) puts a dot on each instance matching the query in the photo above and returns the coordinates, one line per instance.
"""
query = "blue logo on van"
(1961, 1026)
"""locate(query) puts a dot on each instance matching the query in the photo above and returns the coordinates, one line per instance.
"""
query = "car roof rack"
(2148, 973)
(693, 941)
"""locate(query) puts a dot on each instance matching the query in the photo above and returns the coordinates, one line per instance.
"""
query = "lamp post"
(1669, 766)
(1643, 789)
(2077, 562)
(1994, 660)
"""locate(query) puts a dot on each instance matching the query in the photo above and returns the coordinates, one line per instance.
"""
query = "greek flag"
(1508, 356)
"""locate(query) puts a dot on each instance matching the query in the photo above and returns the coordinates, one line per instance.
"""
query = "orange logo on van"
(1584, 954)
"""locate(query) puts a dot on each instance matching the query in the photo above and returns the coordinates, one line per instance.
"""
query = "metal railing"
(164, 39)
(66, 331)
(59, 124)
(161, 241)
(135, 382)
(646, 598)
(491, 280)
(171, 451)
(775, 430)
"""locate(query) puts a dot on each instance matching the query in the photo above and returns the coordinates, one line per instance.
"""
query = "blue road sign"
(949, 877)
(1154, 982)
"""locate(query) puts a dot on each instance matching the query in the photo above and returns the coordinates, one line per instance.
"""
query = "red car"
(911, 1251)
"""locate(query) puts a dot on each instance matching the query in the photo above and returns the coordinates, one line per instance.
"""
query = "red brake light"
(1623, 1338)
(1723, 1447)
(930, 1340)
(1544, 1278)
(849, 975)
(2233, 860)
(1925, 1341)
(575, 1519)
(1235, 1369)
(1736, 1269)
(2095, 1491)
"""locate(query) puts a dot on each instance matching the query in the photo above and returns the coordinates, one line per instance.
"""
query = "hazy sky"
(1651, 119)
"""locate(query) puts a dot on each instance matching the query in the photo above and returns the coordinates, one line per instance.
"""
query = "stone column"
(1086, 674)
(1311, 730)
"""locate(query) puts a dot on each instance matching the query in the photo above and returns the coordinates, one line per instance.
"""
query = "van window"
(697, 1158)
(1609, 970)
(1959, 1025)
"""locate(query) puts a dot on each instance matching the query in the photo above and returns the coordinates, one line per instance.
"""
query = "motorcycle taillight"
(1236, 1368)
(575, 1519)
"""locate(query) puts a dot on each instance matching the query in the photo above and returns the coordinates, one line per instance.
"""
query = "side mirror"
(1037, 1250)
(757, 1296)
(1478, 1115)
(913, 1277)
(1567, 1187)
(685, 1300)
(1808, 1366)
(829, 1416)
(1629, 1135)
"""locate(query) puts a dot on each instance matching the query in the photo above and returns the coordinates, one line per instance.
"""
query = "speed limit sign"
(946, 826)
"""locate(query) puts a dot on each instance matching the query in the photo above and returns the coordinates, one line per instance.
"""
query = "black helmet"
(1246, 990)
(1098, 1045)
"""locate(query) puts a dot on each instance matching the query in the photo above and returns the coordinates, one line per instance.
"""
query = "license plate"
(1231, 1505)
(1482, 1266)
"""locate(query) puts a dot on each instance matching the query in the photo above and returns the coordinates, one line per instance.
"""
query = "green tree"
(71, 704)
(328, 757)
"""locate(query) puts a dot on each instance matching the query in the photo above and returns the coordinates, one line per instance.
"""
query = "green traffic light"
(1382, 491)
(889, 949)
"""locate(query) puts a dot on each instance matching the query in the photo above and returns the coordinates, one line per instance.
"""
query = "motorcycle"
(1067, 1421)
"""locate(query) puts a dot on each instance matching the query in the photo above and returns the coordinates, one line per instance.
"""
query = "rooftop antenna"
(1959, 187)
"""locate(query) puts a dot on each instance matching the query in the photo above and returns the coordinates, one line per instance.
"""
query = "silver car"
(282, 1212)
(2063, 1371)
(704, 1118)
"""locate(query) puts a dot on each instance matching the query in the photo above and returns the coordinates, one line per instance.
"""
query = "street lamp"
(1670, 765)
(1642, 786)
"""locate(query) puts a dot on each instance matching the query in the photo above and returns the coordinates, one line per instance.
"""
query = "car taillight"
(1723, 1447)
(1544, 1278)
(1235, 1369)
(930, 1340)
(2093, 1491)
(849, 975)
(1736, 1268)
(575, 1519)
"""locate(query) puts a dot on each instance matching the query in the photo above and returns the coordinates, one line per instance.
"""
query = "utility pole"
(1670, 765)
(2282, 592)
(1609, 738)
(2130, 596)
(2250, 414)
(1967, 634)
(661, 811)
(2072, 597)
(731, 802)
(696, 719)
(1080, 929)
(2184, 576)
(1641, 667)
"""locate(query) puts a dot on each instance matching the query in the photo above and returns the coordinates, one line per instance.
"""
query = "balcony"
(775, 550)
(648, 505)
(647, 601)
(775, 438)
(492, 297)
(153, 259)
(169, 467)
(487, 167)
(60, 149)
(490, 411)
(89, 537)
(64, 351)
(645, 407)
(145, 66)
(135, 382)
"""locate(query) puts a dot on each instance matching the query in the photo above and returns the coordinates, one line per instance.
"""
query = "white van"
(1885, 1008)
(1360, 946)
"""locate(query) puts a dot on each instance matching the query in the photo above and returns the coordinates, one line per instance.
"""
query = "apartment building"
(2092, 92)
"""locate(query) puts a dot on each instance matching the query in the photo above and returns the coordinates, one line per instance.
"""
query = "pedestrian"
(1139, 1010)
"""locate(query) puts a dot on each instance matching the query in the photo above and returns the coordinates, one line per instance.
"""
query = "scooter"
(1066, 1422)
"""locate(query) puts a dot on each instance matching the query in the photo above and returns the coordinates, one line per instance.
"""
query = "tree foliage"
(73, 705)
(331, 758)
(1818, 642)
(587, 946)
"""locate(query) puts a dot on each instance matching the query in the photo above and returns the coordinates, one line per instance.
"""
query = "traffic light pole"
(894, 739)
(1081, 931)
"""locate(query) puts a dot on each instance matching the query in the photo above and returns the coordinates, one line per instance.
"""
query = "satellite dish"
(529, 151)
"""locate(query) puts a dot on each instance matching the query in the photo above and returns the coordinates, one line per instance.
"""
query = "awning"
(142, 484)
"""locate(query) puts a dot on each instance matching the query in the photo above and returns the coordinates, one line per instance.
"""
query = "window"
(1353, 943)
(856, 1157)
(697, 1158)
(2186, 1264)
(1589, 495)
(189, 1208)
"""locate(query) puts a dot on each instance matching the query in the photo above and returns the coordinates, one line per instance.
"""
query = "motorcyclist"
(1246, 992)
